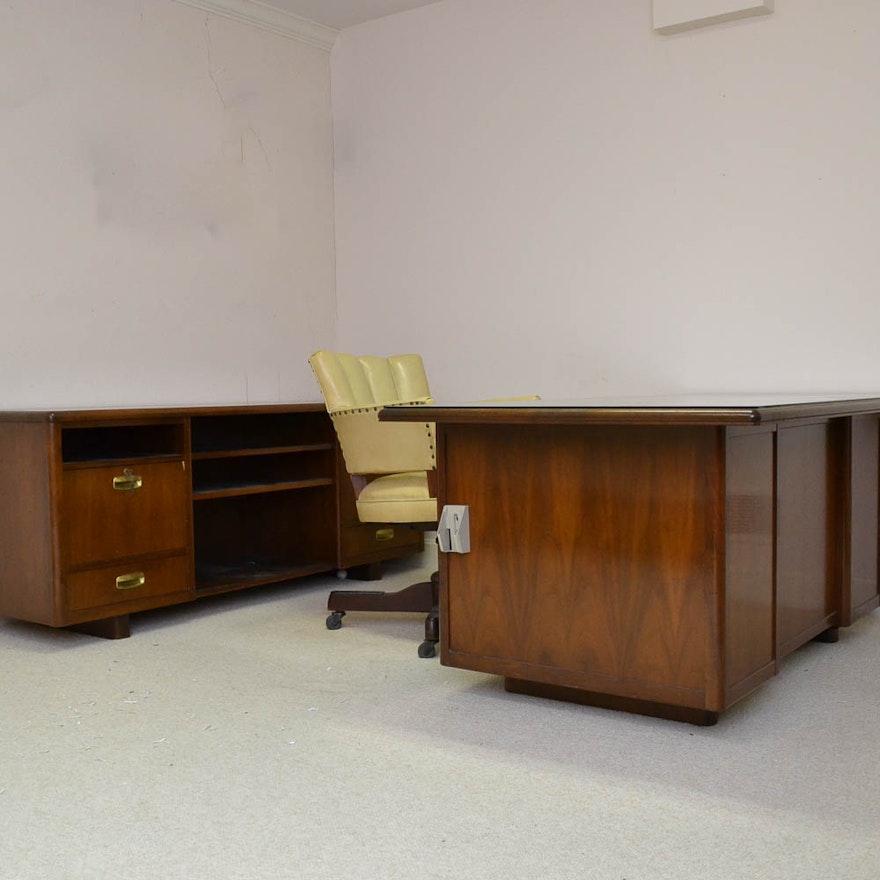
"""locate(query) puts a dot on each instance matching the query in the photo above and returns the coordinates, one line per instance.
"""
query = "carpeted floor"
(238, 738)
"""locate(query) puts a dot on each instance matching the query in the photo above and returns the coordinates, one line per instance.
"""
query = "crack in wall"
(220, 95)
(210, 62)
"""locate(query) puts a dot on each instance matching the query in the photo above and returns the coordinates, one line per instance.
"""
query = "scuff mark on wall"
(154, 192)
(262, 147)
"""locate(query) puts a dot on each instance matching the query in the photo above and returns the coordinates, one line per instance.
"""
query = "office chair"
(391, 465)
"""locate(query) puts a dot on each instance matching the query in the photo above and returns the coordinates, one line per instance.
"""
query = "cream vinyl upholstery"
(388, 461)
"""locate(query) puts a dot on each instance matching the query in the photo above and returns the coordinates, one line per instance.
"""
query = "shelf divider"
(203, 494)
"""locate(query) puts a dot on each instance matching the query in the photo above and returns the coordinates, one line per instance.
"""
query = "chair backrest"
(355, 389)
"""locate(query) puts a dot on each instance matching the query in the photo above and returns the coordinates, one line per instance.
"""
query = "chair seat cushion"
(397, 498)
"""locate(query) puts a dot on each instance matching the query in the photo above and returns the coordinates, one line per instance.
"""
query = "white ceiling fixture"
(316, 22)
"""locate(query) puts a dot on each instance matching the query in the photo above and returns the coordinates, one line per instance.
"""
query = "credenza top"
(683, 409)
(98, 414)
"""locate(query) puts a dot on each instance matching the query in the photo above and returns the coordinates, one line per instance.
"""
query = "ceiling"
(344, 13)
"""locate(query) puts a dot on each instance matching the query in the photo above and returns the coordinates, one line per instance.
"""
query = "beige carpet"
(238, 738)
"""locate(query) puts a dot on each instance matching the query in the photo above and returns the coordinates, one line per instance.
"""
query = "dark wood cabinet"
(107, 512)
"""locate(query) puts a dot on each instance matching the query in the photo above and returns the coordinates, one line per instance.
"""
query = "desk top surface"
(691, 409)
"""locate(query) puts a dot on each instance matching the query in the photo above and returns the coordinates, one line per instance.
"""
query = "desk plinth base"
(699, 717)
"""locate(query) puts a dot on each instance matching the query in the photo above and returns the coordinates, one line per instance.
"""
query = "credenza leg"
(829, 636)
(109, 628)
(371, 571)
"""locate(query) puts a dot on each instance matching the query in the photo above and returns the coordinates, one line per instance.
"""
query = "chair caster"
(427, 649)
(334, 620)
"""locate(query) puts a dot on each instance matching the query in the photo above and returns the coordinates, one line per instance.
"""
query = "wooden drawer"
(106, 515)
(369, 540)
(132, 583)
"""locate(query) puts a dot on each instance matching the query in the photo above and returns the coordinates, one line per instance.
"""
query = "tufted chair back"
(388, 461)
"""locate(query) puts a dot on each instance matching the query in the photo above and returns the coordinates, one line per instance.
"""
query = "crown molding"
(269, 18)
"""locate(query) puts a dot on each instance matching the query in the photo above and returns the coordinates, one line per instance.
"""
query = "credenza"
(660, 555)
(107, 512)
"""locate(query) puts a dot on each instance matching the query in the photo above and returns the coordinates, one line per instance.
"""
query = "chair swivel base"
(422, 597)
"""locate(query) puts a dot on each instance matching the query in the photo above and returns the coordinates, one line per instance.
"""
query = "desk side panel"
(809, 529)
(26, 516)
(860, 563)
(593, 558)
(749, 632)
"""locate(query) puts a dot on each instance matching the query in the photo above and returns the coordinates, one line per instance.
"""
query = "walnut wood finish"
(596, 577)
(680, 409)
(860, 478)
(749, 635)
(162, 577)
(808, 487)
(230, 497)
(101, 523)
(28, 513)
(657, 559)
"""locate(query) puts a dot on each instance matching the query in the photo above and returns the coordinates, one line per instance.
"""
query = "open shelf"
(263, 487)
(245, 538)
(257, 432)
(226, 476)
(222, 578)
(112, 443)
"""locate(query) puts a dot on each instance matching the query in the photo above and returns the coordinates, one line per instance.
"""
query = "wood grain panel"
(26, 514)
(807, 519)
(749, 634)
(860, 549)
(96, 590)
(63, 527)
(101, 523)
(593, 555)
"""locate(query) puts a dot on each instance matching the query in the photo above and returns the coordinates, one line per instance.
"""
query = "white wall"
(545, 195)
(166, 213)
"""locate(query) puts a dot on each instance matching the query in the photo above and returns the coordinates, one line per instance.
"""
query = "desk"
(658, 555)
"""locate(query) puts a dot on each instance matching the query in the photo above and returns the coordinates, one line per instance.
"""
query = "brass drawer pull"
(128, 482)
(384, 534)
(131, 581)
